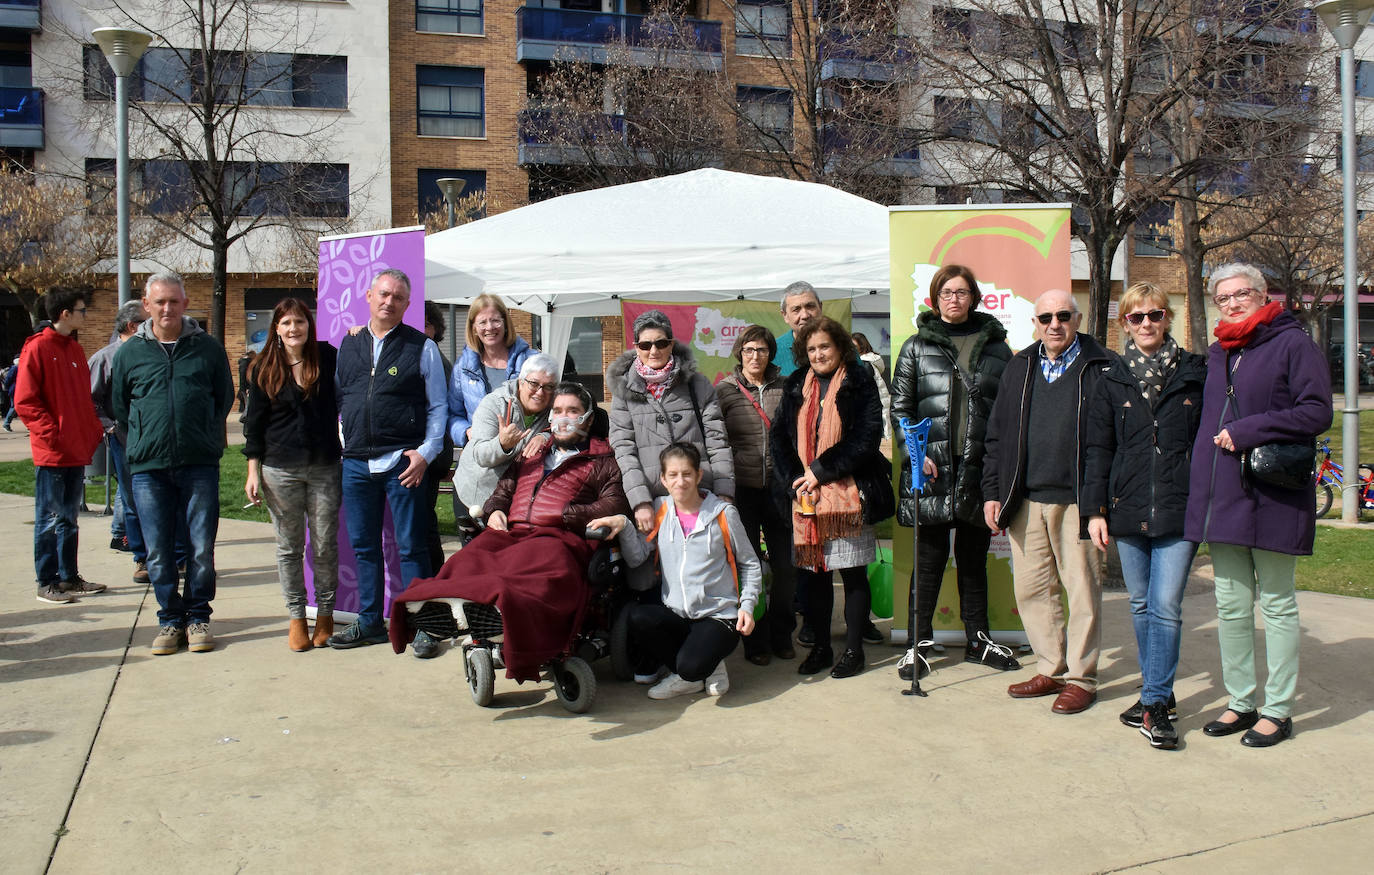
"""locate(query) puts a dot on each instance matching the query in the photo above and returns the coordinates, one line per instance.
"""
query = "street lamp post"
(451, 187)
(1346, 20)
(122, 48)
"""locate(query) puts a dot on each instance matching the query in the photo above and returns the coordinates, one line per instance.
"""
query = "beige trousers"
(1048, 559)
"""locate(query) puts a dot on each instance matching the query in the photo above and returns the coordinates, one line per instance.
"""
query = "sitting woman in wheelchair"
(711, 580)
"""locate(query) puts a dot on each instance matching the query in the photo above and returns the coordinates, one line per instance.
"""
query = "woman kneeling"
(711, 579)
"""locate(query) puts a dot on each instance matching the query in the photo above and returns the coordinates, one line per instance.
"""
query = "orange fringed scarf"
(839, 510)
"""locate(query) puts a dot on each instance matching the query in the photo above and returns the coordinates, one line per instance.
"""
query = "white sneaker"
(657, 675)
(672, 686)
(718, 682)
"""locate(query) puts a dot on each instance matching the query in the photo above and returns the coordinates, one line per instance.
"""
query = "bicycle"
(1330, 474)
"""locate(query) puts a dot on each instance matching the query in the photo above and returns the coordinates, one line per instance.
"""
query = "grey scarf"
(1152, 371)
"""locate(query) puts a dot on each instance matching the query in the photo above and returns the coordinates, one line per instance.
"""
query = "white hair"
(797, 289)
(1233, 270)
(539, 363)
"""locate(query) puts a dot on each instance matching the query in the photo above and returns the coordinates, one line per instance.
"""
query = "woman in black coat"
(832, 482)
(949, 371)
(1141, 425)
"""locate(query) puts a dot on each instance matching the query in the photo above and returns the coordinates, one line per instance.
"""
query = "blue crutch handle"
(915, 434)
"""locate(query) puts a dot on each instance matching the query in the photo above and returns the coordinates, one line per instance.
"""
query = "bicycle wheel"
(1324, 499)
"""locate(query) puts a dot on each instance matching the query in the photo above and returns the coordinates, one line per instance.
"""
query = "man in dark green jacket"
(171, 391)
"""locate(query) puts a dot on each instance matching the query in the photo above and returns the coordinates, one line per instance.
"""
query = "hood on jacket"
(189, 327)
(621, 375)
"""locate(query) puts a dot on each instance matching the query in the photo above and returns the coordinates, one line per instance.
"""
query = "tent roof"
(693, 236)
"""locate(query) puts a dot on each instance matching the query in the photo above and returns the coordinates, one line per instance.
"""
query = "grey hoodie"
(697, 580)
(484, 460)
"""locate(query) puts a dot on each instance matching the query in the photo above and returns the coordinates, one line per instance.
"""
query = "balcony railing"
(600, 139)
(21, 118)
(902, 162)
(568, 34)
(21, 15)
(847, 56)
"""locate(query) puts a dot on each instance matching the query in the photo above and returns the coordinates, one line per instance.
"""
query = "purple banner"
(347, 268)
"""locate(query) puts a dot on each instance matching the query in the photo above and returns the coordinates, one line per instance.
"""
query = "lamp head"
(1346, 19)
(451, 187)
(122, 47)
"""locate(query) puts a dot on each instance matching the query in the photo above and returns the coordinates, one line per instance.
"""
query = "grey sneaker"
(52, 594)
(168, 640)
(199, 639)
(425, 646)
(141, 572)
(81, 586)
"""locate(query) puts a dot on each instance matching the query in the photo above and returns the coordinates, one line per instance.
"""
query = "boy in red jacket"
(53, 397)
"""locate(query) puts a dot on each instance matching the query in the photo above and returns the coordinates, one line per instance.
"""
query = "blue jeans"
(168, 499)
(57, 497)
(1156, 570)
(131, 528)
(365, 498)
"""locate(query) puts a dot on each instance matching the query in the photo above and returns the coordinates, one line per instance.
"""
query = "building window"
(264, 79)
(448, 16)
(1364, 153)
(763, 27)
(1364, 78)
(767, 117)
(270, 188)
(431, 199)
(450, 101)
(1152, 235)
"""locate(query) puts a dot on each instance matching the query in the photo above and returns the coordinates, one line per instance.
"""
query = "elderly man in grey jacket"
(512, 420)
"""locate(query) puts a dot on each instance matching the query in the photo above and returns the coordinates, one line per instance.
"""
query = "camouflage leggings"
(297, 496)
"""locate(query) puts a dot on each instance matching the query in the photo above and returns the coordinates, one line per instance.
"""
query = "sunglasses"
(647, 345)
(1063, 316)
(1153, 316)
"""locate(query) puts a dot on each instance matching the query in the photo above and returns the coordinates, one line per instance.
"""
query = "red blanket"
(536, 577)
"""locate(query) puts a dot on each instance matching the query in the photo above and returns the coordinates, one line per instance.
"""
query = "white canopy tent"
(698, 236)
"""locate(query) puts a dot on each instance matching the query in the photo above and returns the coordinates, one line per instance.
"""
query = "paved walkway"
(253, 758)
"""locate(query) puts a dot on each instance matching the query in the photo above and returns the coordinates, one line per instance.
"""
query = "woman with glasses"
(1266, 383)
(749, 397)
(949, 370)
(291, 439)
(493, 355)
(657, 398)
(1141, 424)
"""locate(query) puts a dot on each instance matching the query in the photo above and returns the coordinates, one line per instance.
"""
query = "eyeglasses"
(81, 310)
(1063, 316)
(1152, 315)
(1240, 296)
(537, 387)
(754, 350)
(953, 294)
(647, 345)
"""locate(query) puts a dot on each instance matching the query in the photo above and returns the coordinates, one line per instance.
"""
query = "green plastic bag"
(880, 583)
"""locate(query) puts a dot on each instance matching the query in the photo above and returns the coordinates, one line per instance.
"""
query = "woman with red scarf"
(1266, 382)
(833, 483)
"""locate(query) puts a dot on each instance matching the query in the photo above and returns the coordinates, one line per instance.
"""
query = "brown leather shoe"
(324, 627)
(298, 635)
(1035, 687)
(1073, 699)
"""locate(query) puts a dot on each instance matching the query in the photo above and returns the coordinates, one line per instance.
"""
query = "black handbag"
(1287, 465)
(875, 490)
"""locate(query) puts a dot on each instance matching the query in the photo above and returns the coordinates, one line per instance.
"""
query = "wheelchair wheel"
(1324, 499)
(574, 683)
(622, 660)
(481, 676)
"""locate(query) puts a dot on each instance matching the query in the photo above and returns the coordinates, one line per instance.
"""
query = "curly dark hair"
(839, 335)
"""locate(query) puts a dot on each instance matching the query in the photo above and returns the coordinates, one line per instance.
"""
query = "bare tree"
(51, 234)
(220, 159)
(1048, 100)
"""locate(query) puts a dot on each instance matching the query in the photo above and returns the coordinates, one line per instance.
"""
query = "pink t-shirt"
(688, 521)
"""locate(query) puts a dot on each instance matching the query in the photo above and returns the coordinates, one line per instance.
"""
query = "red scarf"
(1234, 335)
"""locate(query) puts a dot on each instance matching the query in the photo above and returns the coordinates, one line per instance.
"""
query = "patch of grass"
(1339, 563)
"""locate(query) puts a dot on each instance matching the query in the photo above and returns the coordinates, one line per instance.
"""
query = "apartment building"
(315, 112)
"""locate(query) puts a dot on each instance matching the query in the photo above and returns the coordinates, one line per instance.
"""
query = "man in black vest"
(1032, 475)
(393, 403)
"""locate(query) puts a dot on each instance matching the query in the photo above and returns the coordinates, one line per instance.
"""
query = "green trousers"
(1242, 574)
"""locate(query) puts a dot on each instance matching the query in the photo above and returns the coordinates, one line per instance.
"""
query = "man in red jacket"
(53, 397)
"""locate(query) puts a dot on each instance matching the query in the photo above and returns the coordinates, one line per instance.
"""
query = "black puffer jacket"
(922, 385)
(1135, 470)
(856, 454)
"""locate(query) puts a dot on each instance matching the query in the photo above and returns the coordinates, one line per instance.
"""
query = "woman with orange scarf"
(833, 482)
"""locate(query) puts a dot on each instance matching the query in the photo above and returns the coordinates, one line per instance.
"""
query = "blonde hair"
(1139, 293)
(480, 303)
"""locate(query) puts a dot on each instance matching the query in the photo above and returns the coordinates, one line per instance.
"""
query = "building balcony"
(843, 152)
(602, 37)
(21, 118)
(600, 140)
(21, 15)
(843, 56)
(1245, 98)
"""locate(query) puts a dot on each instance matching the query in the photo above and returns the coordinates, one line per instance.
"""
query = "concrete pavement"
(253, 758)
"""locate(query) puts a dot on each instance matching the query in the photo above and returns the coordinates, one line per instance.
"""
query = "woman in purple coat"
(1279, 390)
